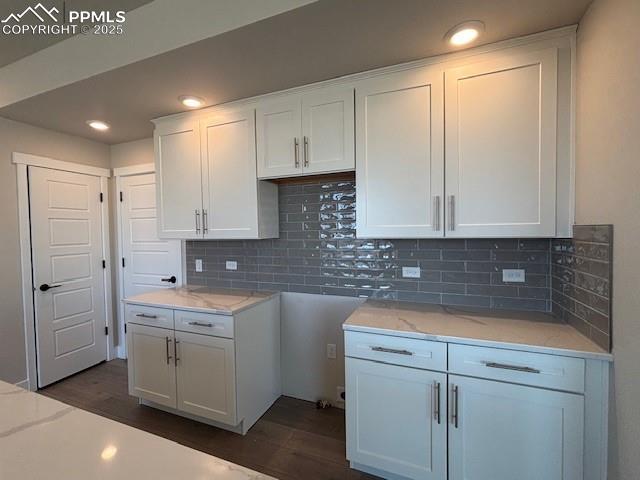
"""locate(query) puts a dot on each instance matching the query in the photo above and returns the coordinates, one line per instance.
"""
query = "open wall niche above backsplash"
(317, 252)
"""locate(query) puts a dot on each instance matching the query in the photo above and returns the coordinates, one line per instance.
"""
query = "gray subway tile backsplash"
(318, 253)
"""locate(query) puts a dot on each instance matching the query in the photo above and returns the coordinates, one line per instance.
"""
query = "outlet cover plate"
(198, 265)
(231, 265)
(331, 350)
(410, 272)
(513, 275)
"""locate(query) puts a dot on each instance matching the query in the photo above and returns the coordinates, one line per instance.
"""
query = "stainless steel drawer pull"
(454, 405)
(504, 366)
(306, 151)
(175, 352)
(144, 315)
(391, 350)
(169, 357)
(452, 213)
(197, 213)
(296, 152)
(436, 213)
(200, 324)
(436, 401)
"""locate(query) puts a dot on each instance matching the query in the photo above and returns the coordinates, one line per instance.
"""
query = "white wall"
(309, 323)
(19, 137)
(607, 191)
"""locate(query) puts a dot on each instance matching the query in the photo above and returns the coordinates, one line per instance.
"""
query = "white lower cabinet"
(405, 421)
(501, 431)
(198, 357)
(152, 370)
(396, 420)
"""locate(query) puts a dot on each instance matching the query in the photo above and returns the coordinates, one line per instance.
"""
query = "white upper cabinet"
(179, 178)
(278, 140)
(231, 188)
(400, 157)
(327, 131)
(501, 146)
(207, 183)
(306, 134)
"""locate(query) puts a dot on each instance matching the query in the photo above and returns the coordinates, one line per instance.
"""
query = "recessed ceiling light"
(464, 33)
(191, 102)
(98, 125)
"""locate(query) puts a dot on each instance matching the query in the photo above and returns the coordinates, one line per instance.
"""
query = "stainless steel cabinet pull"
(452, 212)
(200, 324)
(197, 221)
(168, 341)
(436, 212)
(391, 350)
(454, 405)
(205, 222)
(296, 148)
(436, 401)
(306, 151)
(144, 315)
(175, 352)
(504, 366)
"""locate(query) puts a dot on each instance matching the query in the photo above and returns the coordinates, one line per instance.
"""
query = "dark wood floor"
(293, 440)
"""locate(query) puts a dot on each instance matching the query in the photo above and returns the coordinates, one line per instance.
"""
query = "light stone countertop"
(528, 331)
(43, 438)
(201, 299)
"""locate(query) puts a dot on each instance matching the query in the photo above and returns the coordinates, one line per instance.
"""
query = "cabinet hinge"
(121, 198)
(122, 262)
(104, 264)
(101, 197)
(125, 328)
(106, 330)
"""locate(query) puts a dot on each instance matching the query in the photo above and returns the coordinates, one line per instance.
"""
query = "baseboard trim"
(24, 384)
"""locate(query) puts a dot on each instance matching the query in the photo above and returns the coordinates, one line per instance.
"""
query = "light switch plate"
(231, 265)
(514, 275)
(198, 265)
(410, 272)
(331, 350)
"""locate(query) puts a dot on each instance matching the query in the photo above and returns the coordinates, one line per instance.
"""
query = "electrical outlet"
(340, 395)
(331, 350)
(198, 265)
(231, 265)
(514, 275)
(410, 272)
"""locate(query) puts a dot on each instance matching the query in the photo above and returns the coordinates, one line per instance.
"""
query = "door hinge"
(122, 262)
(104, 264)
(101, 197)
(125, 328)
(106, 330)
(121, 196)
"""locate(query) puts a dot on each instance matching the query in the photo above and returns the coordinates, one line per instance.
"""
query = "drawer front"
(151, 316)
(204, 323)
(536, 369)
(396, 350)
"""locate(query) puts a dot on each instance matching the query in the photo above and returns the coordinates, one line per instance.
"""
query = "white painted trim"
(106, 255)
(24, 228)
(22, 162)
(23, 384)
(45, 162)
(134, 170)
(536, 38)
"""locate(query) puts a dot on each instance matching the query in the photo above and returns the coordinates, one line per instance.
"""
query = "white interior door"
(149, 263)
(67, 250)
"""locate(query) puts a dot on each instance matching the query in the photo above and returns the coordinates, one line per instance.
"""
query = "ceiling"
(316, 42)
(19, 46)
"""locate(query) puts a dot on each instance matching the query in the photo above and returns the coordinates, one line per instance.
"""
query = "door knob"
(44, 287)
(171, 279)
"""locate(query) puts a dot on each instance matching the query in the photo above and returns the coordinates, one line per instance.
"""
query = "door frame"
(119, 174)
(23, 161)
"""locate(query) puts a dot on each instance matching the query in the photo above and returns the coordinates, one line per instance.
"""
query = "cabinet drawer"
(537, 369)
(396, 350)
(152, 316)
(204, 323)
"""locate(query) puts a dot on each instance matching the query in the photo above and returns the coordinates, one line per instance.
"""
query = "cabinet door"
(179, 177)
(399, 155)
(279, 138)
(229, 165)
(507, 431)
(327, 131)
(206, 376)
(396, 421)
(501, 146)
(151, 367)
